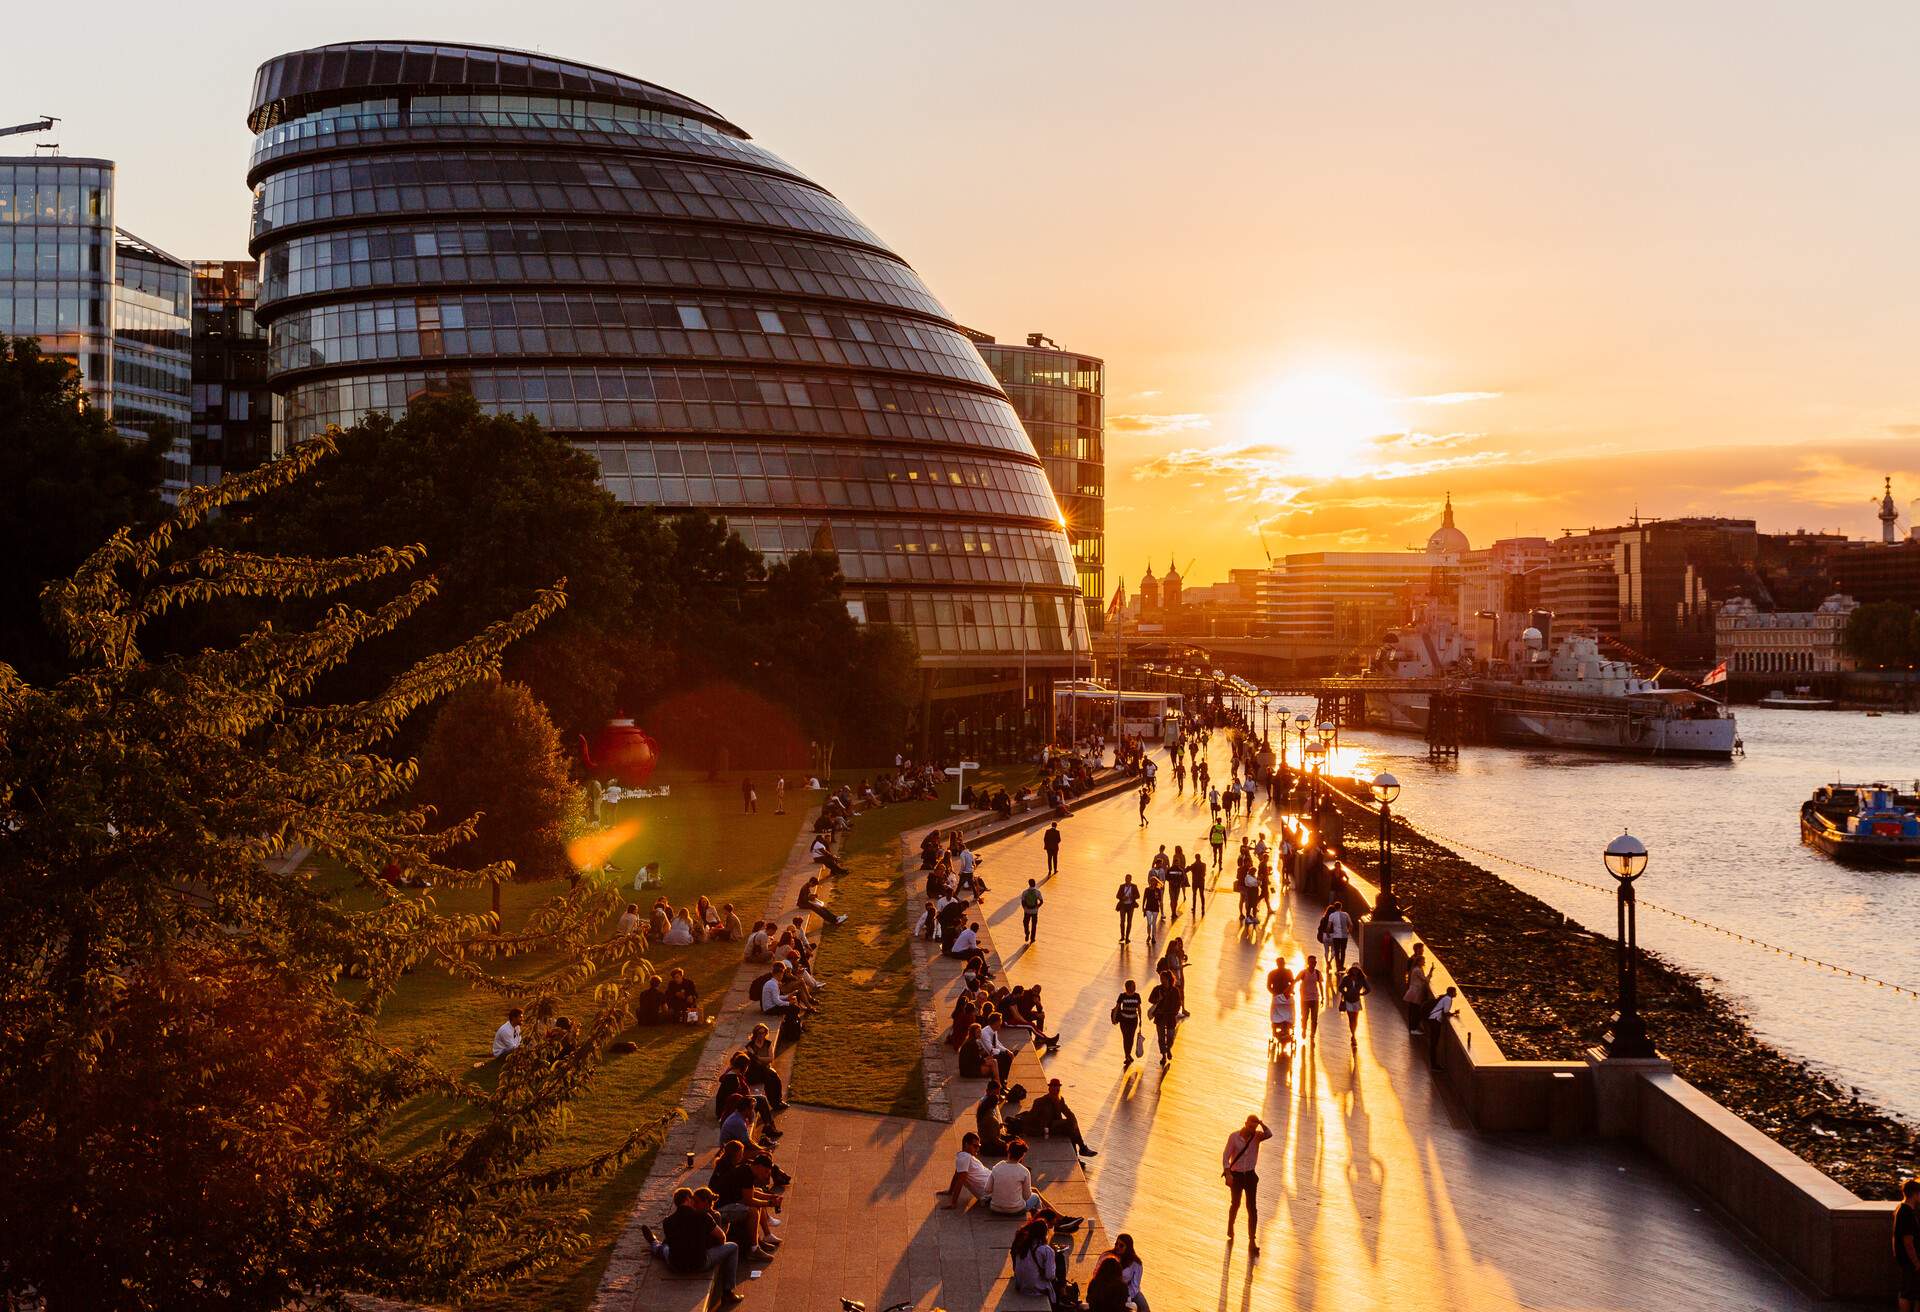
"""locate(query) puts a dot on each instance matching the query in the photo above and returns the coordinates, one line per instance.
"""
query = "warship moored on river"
(1569, 696)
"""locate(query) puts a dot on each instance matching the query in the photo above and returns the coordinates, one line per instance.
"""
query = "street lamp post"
(1385, 789)
(1626, 858)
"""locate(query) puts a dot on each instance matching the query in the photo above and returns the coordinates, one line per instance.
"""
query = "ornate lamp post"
(1329, 734)
(1301, 721)
(1385, 789)
(1626, 858)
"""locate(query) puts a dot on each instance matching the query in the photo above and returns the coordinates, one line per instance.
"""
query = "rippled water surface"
(1725, 845)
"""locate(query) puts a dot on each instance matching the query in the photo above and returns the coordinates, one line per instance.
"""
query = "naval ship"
(1564, 695)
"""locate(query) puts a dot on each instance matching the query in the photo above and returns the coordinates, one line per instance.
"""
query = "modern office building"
(624, 264)
(1352, 597)
(1653, 584)
(1060, 397)
(110, 304)
(56, 262)
(232, 427)
(153, 351)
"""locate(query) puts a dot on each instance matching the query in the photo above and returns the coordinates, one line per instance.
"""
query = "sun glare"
(1325, 421)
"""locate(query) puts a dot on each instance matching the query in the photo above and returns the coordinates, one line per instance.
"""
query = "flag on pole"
(1718, 674)
(1113, 607)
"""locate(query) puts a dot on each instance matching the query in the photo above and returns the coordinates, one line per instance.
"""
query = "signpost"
(959, 774)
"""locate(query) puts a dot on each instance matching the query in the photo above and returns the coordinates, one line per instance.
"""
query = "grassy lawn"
(704, 845)
(863, 1051)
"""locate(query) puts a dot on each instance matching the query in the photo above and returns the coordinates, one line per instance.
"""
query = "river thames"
(1725, 847)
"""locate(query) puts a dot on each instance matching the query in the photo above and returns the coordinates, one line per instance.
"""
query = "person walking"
(1126, 1014)
(749, 800)
(780, 795)
(1051, 842)
(1197, 880)
(1240, 1168)
(1163, 1006)
(1353, 987)
(1146, 795)
(1213, 802)
(1125, 899)
(1176, 882)
(1336, 927)
(1030, 903)
(1312, 995)
(1179, 774)
(1217, 836)
(1152, 903)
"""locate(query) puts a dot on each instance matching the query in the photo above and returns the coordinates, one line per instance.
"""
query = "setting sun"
(1324, 420)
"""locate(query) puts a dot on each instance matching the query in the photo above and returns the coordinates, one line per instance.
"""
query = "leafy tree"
(192, 1087)
(492, 752)
(67, 479)
(1883, 633)
(501, 506)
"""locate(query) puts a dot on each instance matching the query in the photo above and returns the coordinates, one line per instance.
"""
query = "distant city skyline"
(1333, 272)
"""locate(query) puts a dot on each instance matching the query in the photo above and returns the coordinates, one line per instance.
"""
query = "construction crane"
(42, 124)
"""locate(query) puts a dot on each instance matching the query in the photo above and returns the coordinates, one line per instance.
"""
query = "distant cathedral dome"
(1448, 540)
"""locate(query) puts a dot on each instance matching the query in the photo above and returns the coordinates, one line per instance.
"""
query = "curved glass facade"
(624, 264)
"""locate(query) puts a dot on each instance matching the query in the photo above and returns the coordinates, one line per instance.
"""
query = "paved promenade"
(1374, 1193)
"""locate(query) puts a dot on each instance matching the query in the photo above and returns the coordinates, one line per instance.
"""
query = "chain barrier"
(1458, 845)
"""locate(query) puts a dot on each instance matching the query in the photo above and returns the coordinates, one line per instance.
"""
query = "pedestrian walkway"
(1375, 1192)
(862, 1221)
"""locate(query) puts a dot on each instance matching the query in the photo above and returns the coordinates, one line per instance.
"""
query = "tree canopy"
(662, 607)
(1883, 633)
(493, 753)
(67, 479)
(192, 1088)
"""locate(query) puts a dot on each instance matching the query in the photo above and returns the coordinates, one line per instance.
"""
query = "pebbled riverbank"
(1544, 985)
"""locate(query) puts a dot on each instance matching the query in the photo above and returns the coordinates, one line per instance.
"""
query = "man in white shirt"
(822, 855)
(1339, 929)
(968, 1172)
(965, 941)
(774, 1000)
(1010, 1184)
(507, 1037)
(968, 863)
(990, 1043)
(1240, 1165)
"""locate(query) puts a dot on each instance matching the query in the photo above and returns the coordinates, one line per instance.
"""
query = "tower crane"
(42, 124)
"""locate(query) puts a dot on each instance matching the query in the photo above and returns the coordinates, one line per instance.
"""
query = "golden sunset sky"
(1564, 260)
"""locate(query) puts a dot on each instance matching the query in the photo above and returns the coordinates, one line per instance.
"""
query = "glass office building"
(1060, 397)
(232, 403)
(56, 262)
(153, 350)
(721, 333)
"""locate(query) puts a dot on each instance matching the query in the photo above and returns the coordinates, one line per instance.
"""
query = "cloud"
(1148, 394)
(1453, 398)
(1160, 425)
(1427, 440)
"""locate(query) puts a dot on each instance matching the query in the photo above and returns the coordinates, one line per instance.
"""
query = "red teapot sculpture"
(621, 751)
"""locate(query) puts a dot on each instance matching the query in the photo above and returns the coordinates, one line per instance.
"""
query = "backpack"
(1031, 899)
